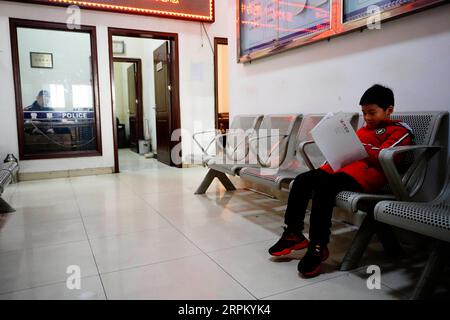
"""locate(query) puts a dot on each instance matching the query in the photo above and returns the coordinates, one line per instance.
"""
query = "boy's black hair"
(379, 95)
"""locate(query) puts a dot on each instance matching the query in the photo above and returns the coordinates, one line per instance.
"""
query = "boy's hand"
(370, 147)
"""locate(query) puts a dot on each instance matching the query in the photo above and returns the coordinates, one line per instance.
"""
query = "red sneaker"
(309, 266)
(288, 242)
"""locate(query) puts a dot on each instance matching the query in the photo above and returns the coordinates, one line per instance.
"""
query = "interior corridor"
(143, 234)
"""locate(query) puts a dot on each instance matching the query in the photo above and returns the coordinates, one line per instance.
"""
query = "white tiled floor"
(143, 234)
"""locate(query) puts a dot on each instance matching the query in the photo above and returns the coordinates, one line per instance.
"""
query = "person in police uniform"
(41, 103)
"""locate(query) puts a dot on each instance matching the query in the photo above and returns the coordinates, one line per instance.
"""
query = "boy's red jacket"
(368, 172)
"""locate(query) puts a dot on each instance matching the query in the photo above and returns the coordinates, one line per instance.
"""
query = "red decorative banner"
(197, 10)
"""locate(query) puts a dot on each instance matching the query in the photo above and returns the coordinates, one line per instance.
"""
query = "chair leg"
(206, 182)
(226, 181)
(388, 239)
(15, 177)
(359, 244)
(210, 177)
(5, 207)
(432, 271)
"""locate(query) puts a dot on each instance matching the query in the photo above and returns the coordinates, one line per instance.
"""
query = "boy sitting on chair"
(323, 184)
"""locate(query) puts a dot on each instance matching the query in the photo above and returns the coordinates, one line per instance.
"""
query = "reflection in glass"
(57, 93)
(58, 99)
(355, 10)
(270, 24)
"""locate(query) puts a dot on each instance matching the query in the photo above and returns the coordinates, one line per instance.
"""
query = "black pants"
(322, 188)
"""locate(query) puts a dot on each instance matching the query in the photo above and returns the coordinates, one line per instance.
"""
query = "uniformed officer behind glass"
(41, 103)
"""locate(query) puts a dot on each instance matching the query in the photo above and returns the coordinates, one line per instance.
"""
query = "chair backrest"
(293, 159)
(274, 136)
(429, 128)
(240, 129)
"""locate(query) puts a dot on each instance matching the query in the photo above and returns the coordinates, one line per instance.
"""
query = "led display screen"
(198, 10)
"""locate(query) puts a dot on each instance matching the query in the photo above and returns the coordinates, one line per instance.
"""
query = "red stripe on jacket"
(368, 172)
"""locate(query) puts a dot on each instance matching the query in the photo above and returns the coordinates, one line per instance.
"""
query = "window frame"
(14, 24)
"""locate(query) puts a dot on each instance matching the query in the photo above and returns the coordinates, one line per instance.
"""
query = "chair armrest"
(246, 134)
(271, 150)
(218, 143)
(302, 150)
(205, 149)
(397, 183)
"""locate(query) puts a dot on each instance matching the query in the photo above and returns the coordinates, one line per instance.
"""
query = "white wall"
(411, 55)
(196, 74)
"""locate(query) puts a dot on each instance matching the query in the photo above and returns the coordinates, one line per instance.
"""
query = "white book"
(337, 141)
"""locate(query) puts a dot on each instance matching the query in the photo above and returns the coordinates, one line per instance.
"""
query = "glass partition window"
(55, 90)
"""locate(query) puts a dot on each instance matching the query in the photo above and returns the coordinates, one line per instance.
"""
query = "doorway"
(153, 104)
(221, 84)
(128, 103)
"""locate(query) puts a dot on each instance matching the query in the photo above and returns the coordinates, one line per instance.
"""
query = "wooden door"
(132, 107)
(162, 103)
(221, 85)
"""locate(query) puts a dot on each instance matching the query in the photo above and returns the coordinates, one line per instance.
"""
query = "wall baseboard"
(28, 176)
(191, 165)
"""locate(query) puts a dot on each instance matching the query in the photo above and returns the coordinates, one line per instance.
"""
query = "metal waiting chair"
(241, 126)
(293, 164)
(8, 174)
(245, 149)
(236, 148)
(431, 219)
(420, 182)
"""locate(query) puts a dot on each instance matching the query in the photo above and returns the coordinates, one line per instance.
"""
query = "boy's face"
(374, 115)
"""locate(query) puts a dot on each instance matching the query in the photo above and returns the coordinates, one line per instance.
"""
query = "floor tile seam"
(151, 264)
(179, 206)
(46, 284)
(206, 253)
(41, 247)
(127, 233)
(88, 240)
(231, 276)
(345, 273)
(40, 223)
(182, 229)
(220, 266)
(209, 257)
(404, 296)
(154, 209)
(240, 245)
(208, 220)
(119, 214)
